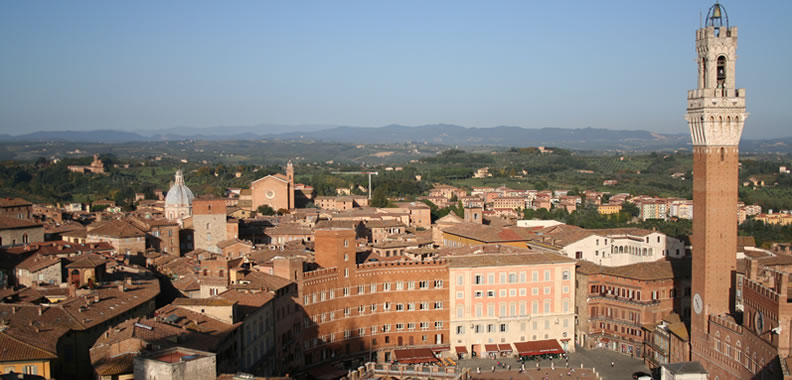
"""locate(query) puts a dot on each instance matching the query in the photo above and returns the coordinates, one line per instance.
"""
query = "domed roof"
(179, 194)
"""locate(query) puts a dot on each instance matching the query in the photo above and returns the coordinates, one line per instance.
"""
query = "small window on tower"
(722, 154)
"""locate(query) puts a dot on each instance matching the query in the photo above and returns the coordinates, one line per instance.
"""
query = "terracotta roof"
(494, 260)
(490, 234)
(387, 223)
(288, 229)
(229, 242)
(259, 280)
(662, 269)
(13, 349)
(117, 229)
(37, 262)
(8, 223)
(117, 365)
(203, 302)
(87, 261)
(247, 303)
(14, 202)
(323, 224)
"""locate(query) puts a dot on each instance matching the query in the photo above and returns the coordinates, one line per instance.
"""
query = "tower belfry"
(715, 115)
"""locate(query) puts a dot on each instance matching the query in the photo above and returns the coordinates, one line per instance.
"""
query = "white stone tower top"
(716, 109)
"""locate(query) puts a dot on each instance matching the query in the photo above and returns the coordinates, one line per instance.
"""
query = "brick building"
(615, 304)
(365, 311)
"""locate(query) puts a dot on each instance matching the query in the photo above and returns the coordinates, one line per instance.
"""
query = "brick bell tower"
(715, 115)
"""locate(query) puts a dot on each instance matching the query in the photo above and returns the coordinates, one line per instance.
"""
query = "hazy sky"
(135, 65)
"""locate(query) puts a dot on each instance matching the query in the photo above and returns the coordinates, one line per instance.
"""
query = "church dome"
(179, 194)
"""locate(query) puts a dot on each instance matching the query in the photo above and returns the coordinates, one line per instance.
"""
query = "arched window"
(205, 272)
(25, 238)
(221, 273)
(721, 73)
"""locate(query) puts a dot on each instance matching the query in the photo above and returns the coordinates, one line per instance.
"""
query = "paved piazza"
(624, 367)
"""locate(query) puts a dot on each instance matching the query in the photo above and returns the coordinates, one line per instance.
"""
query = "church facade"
(276, 190)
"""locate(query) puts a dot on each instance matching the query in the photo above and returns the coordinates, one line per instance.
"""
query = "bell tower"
(715, 115)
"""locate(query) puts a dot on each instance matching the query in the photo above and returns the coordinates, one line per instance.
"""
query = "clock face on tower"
(697, 303)
(759, 322)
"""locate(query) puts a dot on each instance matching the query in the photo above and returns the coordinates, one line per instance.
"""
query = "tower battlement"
(716, 33)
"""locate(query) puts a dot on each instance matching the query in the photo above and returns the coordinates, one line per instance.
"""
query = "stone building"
(14, 231)
(16, 208)
(178, 201)
(39, 269)
(96, 167)
(209, 223)
(122, 235)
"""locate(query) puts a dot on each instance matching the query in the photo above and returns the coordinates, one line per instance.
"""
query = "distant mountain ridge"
(435, 134)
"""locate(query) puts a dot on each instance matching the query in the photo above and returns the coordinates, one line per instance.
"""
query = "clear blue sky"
(135, 65)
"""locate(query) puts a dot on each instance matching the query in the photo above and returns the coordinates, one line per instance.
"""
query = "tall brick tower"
(715, 115)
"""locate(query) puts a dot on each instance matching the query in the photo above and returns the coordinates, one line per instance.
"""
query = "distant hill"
(597, 139)
(444, 134)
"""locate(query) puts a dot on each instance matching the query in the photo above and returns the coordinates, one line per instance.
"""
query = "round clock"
(270, 194)
(698, 305)
(759, 322)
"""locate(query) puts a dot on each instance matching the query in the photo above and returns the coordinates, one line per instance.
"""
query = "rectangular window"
(460, 311)
(490, 293)
(438, 305)
(410, 285)
(386, 286)
(346, 292)
(476, 279)
(512, 292)
(399, 285)
(522, 292)
(522, 277)
(503, 293)
(547, 275)
(373, 288)
(490, 309)
(491, 278)
(460, 329)
(399, 326)
(399, 307)
(361, 289)
(460, 295)
(410, 306)
(479, 309)
(423, 284)
(535, 276)
(460, 280)
(503, 327)
(438, 284)
(547, 290)
(502, 276)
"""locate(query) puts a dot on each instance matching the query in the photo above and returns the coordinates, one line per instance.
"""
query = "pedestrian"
(493, 368)
(537, 366)
(612, 363)
(508, 367)
(478, 369)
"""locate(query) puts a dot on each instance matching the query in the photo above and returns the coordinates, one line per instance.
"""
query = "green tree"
(630, 209)
(378, 198)
(265, 210)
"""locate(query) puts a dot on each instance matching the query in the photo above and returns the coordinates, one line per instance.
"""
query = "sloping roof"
(13, 349)
(229, 242)
(490, 234)
(8, 223)
(36, 262)
(87, 261)
(117, 365)
(259, 280)
(493, 260)
(116, 229)
(203, 302)
(14, 202)
(450, 218)
(662, 269)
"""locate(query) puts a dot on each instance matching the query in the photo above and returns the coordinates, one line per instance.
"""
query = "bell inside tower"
(721, 71)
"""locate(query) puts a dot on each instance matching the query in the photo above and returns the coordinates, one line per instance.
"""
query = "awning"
(505, 347)
(491, 348)
(440, 348)
(415, 356)
(461, 350)
(327, 372)
(604, 340)
(538, 347)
